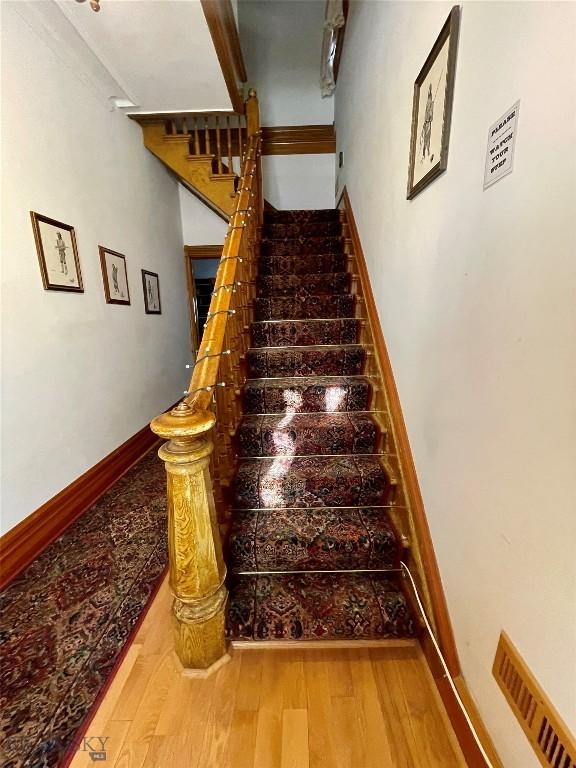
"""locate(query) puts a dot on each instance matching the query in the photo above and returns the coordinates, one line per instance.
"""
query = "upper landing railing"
(220, 136)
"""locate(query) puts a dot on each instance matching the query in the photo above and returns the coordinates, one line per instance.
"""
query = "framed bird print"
(114, 276)
(57, 254)
(151, 287)
(432, 109)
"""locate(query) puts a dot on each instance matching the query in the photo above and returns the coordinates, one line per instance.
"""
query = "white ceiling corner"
(159, 52)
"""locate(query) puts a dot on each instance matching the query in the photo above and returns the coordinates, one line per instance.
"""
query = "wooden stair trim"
(193, 172)
(145, 118)
(445, 635)
(27, 540)
(322, 645)
(223, 176)
(298, 139)
(441, 617)
(203, 251)
(224, 32)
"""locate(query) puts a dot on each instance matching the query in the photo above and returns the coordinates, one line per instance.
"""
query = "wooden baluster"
(229, 140)
(240, 153)
(252, 113)
(185, 130)
(206, 137)
(218, 146)
(196, 137)
(197, 569)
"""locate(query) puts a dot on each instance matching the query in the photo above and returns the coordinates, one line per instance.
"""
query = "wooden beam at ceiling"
(203, 251)
(298, 140)
(222, 25)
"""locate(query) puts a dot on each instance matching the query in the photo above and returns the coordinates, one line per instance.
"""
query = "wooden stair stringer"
(195, 172)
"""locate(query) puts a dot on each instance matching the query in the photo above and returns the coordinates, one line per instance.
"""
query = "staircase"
(313, 553)
(204, 150)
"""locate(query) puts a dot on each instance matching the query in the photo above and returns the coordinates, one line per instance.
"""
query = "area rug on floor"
(65, 621)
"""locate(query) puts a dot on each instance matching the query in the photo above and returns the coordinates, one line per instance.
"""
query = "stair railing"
(221, 136)
(198, 456)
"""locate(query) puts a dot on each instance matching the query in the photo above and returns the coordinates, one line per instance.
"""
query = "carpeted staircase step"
(317, 606)
(305, 361)
(301, 245)
(302, 216)
(311, 481)
(304, 333)
(304, 307)
(307, 434)
(310, 395)
(277, 230)
(312, 540)
(297, 263)
(302, 285)
(312, 550)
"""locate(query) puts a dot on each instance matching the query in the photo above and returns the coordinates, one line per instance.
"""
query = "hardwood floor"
(366, 708)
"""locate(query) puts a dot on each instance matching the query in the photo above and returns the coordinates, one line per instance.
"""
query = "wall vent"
(551, 740)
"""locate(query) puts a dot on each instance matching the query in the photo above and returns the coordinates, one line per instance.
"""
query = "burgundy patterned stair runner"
(311, 540)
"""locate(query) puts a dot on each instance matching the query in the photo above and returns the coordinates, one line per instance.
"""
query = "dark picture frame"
(422, 120)
(151, 288)
(58, 273)
(119, 291)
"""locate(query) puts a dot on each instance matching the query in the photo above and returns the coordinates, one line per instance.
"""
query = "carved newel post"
(197, 569)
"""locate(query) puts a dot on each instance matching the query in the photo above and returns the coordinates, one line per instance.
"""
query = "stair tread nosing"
(284, 363)
(284, 333)
(307, 395)
(301, 245)
(313, 434)
(301, 215)
(296, 263)
(320, 306)
(318, 606)
(312, 539)
(276, 230)
(302, 285)
(311, 481)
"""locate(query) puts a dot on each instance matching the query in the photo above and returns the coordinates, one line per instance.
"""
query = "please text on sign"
(500, 149)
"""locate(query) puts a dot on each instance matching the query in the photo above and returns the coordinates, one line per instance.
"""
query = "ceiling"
(160, 52)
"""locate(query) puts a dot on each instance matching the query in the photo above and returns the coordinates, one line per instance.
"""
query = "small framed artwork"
(57, 254)
(115, 276)
(432, 109)
(151, 286)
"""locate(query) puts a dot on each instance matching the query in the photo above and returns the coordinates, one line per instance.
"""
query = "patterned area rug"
(67, 618)
(312, 551)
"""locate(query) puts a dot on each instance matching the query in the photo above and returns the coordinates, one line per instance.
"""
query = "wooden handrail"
(198, 455)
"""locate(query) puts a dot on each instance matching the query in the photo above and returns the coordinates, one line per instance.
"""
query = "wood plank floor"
(366, 708)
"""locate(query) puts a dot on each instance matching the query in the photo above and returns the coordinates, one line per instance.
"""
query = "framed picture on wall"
(114, 276)
(151, 286)
(432, 109)
(57, 254)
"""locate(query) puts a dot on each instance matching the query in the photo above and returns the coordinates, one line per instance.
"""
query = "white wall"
(200, 225)
(79, 376)
(281, 43)
(299, 181)
(475, 292)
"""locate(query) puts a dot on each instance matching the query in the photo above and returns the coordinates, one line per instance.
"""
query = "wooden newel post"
(252, 114)
(197, 569)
